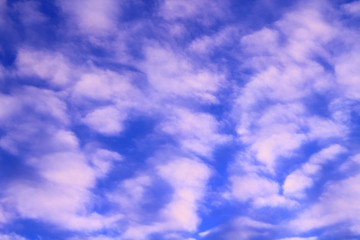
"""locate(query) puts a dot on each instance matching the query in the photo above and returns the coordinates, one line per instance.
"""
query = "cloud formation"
(179, 120)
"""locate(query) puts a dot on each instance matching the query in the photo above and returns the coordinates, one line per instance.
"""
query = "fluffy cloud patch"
(11, 237)
(196, 132)
(261, 191)
(171, 74)
(188, 178)
(106, 120)
(63, 196)
(203, 11)
(46, 65)
(336, 205)
(297, 182)
(250, 187)
(91, 17)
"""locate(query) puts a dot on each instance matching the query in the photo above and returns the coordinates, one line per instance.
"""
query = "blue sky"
(179, 120)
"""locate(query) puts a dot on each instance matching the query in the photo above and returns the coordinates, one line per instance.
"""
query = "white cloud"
(352, 8)
(240, 228)
(206, 44)
(188, 178)
(46, 139)
(103, 159)
(26, 115)
(320, 128)
(277, 132)
(272, 146)
(63, 196)
(272, 118)
(337, 204)
(92, 17)
(352, 164)
(298, 181)
(9, 106)
(61, 191)
(171, 74)
(253, 186)
(327, 154)
(53, 203)
(275, 200)
(97, 87)
(249, 222)
(106, 120)
(208, 232)
(45, 102)
(49, 66)
(273, 115)
(259, 41)
(105, 85)
(203, 11)
(65, 138)
(11, 236)
(62, 168)
(347, 71)
(94, 86)
(29, 13)
(3, 215)
(261, 191)
(130, 194)
(197, 132)
(306, 29)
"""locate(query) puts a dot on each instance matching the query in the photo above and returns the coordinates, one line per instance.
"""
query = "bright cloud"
(92, 17)
(303, 178)
(336, 205)
(197, 132)
(48, 66)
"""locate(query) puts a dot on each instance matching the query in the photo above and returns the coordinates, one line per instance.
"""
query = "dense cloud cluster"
(175, 120)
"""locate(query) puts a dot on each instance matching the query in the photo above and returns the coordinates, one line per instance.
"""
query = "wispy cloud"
(303, 178)
(92, 17)
(337, 205)
(11, 237)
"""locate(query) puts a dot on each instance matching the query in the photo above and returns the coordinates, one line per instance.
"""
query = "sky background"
(179, 120)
